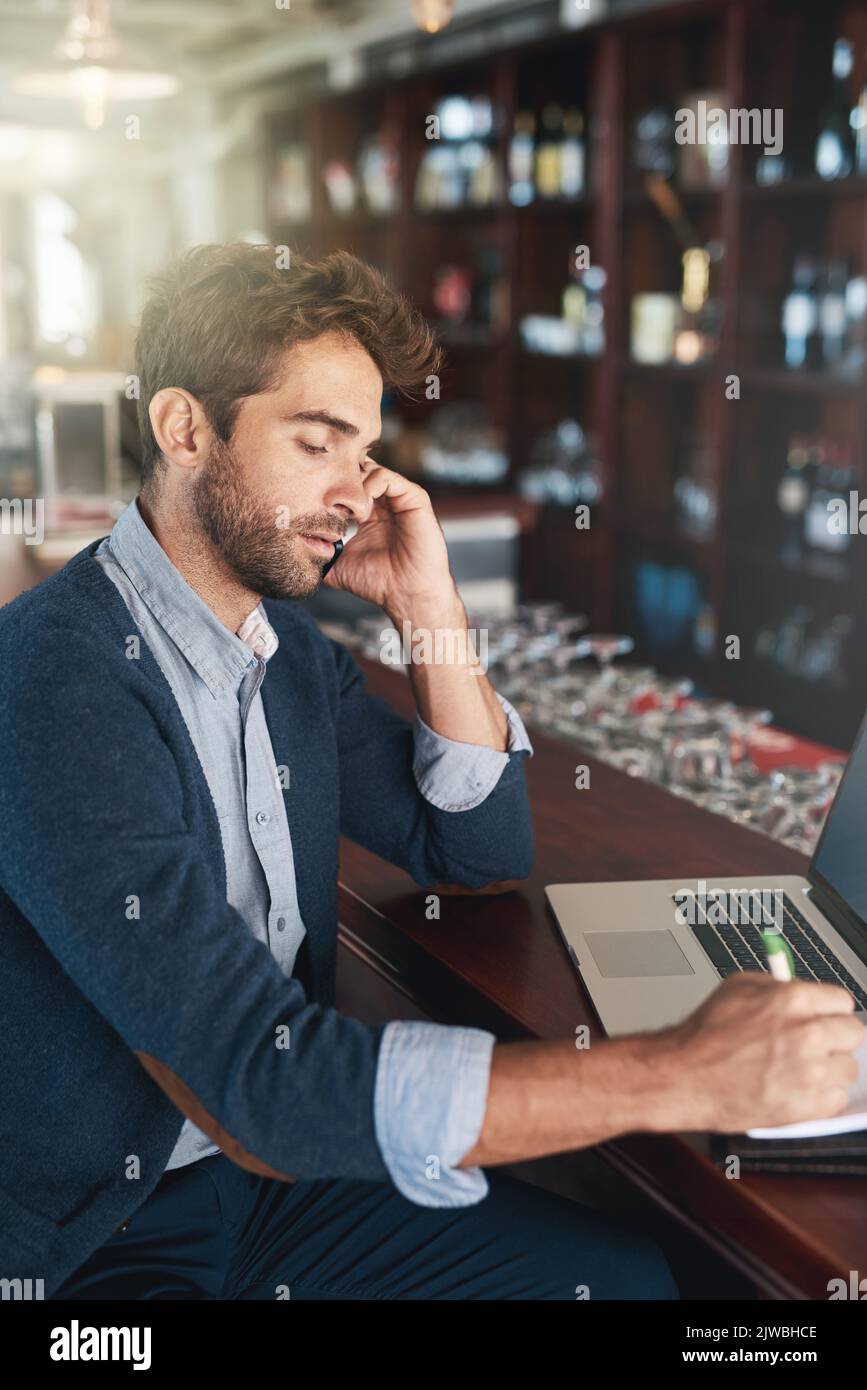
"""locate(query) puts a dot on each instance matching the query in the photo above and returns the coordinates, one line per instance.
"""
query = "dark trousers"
(216, 1231)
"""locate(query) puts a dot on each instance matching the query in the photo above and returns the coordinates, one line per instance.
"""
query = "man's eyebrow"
(324, 417)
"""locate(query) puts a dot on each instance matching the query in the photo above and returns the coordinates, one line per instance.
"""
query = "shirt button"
(122, 1227)
(281, 922)
(262, 817)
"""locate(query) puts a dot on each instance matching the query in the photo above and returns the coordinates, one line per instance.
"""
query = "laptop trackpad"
(620, 954)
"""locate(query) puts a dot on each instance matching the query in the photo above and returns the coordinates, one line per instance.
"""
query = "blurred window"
(61, 312)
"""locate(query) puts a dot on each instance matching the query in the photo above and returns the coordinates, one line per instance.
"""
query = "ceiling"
(197, 37)
(222, 44)
(233, 58)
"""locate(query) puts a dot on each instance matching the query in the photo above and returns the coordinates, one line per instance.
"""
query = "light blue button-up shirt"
(431, 1080)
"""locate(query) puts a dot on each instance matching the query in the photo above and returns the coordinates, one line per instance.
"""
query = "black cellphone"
(338, 547)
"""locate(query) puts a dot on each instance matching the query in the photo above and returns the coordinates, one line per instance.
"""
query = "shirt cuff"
(457, 776)
(429, 1105)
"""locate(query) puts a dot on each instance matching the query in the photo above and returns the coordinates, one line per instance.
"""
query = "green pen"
(781, 962)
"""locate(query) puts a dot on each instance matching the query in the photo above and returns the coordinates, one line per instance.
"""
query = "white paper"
(853, 1117)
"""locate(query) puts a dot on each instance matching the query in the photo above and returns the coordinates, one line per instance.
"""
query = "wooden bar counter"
(495, 960)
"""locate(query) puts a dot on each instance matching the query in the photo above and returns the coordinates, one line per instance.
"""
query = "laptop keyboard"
(729, 925)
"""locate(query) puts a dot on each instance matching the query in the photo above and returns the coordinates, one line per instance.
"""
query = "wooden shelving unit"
(765, 53)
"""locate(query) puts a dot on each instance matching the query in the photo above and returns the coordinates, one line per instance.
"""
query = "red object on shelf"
(453, 292)
(769, 747)
(772, 748)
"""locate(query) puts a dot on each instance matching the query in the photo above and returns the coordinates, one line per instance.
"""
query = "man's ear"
(180, 426)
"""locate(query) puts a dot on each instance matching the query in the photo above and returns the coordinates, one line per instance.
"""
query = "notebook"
(853, 1117)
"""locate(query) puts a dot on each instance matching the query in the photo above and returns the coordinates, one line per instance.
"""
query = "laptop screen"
(840, 859)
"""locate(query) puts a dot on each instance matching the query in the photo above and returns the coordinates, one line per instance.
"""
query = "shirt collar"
(258, 634)
(220, 657)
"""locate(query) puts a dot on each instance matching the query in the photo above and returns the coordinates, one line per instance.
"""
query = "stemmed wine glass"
(597, 695)
(606, 647)
(742, 724)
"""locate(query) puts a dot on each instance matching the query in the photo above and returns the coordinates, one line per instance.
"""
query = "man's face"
(294, 468)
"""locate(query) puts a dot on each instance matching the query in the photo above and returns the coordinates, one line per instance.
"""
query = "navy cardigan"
(132, 993)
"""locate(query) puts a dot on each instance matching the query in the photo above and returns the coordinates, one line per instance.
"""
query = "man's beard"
(260, 547)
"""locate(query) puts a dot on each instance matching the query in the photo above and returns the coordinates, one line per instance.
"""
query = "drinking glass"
(742, 725)
(699, 756)
(606, 647)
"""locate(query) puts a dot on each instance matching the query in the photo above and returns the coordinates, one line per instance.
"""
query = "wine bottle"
(548, 151)
(521, 159)
(572, 155)
(858, 122)
(818, 532)
(800, 315)
(834, 145)
(793, 496)
(832, 314)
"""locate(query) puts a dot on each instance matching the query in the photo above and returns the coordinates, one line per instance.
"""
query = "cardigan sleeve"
(383, 808)
(458, 776)
(97, 853)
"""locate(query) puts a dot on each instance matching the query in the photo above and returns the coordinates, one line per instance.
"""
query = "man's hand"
(761, 1052)
(757, 1052)
(398, 558)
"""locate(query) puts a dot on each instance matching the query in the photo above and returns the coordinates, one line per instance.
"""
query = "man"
(186, 1115)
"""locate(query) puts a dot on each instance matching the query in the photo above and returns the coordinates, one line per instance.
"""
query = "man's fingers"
(842, 1033)
(812, 997)
(400, 492)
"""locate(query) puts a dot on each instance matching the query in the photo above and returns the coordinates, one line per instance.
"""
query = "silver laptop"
(649, 952)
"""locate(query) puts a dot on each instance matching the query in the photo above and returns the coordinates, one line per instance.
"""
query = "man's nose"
(350, 499)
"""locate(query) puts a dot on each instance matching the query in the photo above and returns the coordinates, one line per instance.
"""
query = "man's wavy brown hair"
(219, 319)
